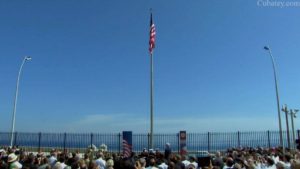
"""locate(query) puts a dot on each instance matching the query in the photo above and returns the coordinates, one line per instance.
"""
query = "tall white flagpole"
(151, 100)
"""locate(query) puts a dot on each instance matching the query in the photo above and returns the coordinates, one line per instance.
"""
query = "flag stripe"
(127, 143)
(152, 36)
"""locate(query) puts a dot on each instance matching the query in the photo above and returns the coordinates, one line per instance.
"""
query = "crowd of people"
(235, 158)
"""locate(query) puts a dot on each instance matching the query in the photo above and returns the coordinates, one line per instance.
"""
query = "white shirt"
(287, 165)
(186, 163)
(151, 167)
(101, 163)
(227, 167)
(17, 164)
(271, 167)
(52, 161)
(163, 166)
(63, 165)
(195, 164)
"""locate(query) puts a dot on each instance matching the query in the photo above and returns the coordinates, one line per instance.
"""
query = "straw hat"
(12, 157)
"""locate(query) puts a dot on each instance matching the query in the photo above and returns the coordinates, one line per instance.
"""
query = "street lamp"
(277, 95)
(293, 113)
(286, 111)
(26, 58)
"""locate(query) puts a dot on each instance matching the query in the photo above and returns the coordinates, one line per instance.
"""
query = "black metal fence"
(210, 141)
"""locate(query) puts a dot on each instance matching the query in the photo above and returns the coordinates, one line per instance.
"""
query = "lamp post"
(293, 113)
(277, 95)
(286, 111)
(26, 58)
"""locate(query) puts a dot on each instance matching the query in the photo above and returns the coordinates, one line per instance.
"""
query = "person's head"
(57, 166)
(168, 146)
(30, 158)
(99, 155)
(237, 166)
(93, 165)
(152, 162)
(295, 164)
(127, 164)
(53, 152)
(270, 161)
(44, 161)
(12, 158)
(137, 165)
(75, 165)
(287, 158)
(218, 154)
(82, 164)
(191, 166)
(109, 163)
(177, 158)
(216, 167)
(192, 159)
(73, 154)
(280, 165)
(61, 158)
(142, 162)
(229, 162)
(171, 165)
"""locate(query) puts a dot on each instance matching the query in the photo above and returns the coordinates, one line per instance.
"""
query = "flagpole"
(151, 100)
(151, 47)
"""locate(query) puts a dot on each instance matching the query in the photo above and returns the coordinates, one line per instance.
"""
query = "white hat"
(12, 157)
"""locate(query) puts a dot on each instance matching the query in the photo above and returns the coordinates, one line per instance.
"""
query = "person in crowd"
(61, 160)
(44, 164)
(168, 150)
(142, 162)
(100, 160)
(229, 163)
(287, 161)
(191, 166)
(29, 162)
(53, 157)
(217, 161)
(163, 164)
(234, 158)
(270, 163)
(13, 162)
(280, 165)
(137, 165)
(109, 164)
(171, 165)
(185, 161)
(152, 164)
(193, 161)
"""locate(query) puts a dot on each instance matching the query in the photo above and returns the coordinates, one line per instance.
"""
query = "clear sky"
(90, 65)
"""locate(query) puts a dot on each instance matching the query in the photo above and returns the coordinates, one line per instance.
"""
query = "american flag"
(152, 36)
(127, 143)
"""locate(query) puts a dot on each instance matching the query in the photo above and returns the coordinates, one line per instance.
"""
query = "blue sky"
(90, 65)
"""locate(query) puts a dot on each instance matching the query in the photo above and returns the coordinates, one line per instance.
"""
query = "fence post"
(208, 142)
(40, 136)
(269, 141)
(178, 142)
(15, 140)
(148, 138)
(65, 139)
(239, 138)
(92, 139)
(120, 143)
